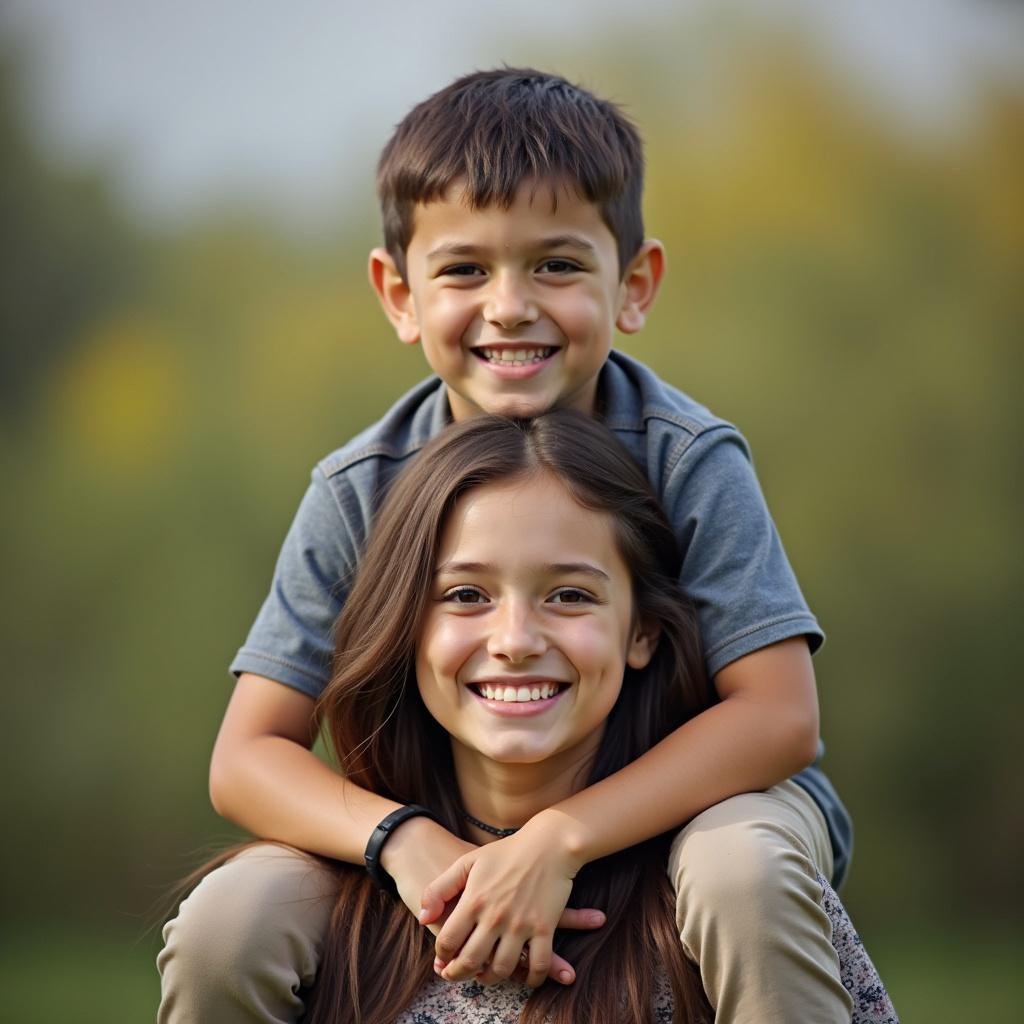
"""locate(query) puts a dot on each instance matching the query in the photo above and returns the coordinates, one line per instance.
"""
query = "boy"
(513, 249)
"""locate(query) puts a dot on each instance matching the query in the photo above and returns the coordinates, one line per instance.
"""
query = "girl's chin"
(517, 756)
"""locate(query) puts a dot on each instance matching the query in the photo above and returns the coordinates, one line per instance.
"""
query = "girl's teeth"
(519, 694)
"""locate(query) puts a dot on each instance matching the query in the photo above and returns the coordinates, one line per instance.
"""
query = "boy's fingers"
(540, 961)
(446, 887)
(472, 958)
(561, 970)
(434, 912)
(430, 909)
(507, 957)
(435, 925)
(581, 920)
(452, 937)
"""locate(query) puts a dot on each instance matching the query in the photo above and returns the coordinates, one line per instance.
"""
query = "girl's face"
(530, 625)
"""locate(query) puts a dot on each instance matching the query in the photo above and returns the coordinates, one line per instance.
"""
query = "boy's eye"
(464, 595)
(570, 595)
(558, 266)
(462, 270)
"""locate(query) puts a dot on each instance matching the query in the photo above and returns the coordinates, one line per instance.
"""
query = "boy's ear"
(640, 286)
(642, 642)
(395, 296)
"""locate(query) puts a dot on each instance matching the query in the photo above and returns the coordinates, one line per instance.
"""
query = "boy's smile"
(516, 309)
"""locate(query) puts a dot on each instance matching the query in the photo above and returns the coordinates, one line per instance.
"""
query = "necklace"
(501, 833)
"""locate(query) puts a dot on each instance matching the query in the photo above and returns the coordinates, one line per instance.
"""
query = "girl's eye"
(570, 595)
(464, 595)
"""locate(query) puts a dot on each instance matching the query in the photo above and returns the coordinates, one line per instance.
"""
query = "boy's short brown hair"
(494, 130)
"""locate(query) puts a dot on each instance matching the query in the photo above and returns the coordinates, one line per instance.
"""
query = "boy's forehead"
(541, 208)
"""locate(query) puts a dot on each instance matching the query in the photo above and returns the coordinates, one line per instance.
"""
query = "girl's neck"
(508, 795)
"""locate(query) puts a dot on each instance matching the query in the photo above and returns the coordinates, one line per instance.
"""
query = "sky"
(194, 101)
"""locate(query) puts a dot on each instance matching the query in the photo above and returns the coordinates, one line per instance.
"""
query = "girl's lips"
(519, 709)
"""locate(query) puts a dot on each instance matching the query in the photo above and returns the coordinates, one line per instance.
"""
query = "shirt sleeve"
(734, 567)
(291, 640)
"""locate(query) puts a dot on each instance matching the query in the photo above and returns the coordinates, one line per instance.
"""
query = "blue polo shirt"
(734, 568)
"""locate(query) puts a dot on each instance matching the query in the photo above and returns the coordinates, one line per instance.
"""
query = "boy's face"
(516, 309)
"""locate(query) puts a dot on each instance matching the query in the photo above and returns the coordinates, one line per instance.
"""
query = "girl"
(516, 633)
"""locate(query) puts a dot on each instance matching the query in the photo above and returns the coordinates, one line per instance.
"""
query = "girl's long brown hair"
(377, 957)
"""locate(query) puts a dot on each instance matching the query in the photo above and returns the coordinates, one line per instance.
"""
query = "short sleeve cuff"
(771, 632)
(281, 670)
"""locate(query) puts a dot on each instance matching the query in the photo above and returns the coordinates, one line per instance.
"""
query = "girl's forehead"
(528, 494)
(528, 519)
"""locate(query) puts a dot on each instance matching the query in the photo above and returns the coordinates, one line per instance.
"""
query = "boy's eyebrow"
(558, 568)
(566, 242)
(553, 242)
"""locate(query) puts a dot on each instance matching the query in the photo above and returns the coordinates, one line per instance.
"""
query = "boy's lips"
(515, 360)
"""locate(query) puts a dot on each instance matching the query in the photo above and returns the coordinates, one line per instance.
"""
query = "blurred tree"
(66, 253)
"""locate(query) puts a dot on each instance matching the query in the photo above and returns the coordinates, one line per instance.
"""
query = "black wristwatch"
(381, 834)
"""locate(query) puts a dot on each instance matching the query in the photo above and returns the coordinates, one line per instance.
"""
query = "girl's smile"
(529, 631)
(515, 696)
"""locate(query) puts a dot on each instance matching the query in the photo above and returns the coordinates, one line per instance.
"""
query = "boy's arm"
(264, 777)
(764, 730)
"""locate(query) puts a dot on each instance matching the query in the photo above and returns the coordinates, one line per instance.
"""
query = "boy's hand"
(513, 896)
(416, 853)
(420, 850)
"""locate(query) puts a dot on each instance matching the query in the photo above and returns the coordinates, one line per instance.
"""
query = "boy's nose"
(509, 304)
(517, 635)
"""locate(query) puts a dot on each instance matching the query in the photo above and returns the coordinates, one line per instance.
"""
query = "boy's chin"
(512, 406)
(520, 409)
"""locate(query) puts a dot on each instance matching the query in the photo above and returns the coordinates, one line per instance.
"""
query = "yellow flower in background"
(119, 404)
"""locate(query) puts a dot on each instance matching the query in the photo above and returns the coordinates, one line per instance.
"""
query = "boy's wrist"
(564, 833)
(404, 841)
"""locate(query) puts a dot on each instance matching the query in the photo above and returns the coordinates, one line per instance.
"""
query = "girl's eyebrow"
(582, 568)
(450, 568)
(557, 568)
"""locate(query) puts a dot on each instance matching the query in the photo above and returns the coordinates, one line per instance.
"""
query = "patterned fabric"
(473, 1003)
(871, 1002)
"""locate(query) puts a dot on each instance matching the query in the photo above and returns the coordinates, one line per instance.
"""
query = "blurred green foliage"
(847, 293)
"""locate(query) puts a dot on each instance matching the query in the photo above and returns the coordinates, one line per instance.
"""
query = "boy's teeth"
(519, 694)
(516, 356)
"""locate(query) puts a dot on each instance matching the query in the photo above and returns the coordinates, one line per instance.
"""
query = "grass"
(69, 975)
(947, 978)
(57, 974)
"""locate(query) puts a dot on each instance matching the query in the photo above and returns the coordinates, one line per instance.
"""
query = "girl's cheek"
(593, 645)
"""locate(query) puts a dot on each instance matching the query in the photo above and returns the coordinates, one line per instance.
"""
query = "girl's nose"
(517, 634)
(509, 304)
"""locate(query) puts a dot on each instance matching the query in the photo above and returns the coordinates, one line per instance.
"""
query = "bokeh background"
(185, 328)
